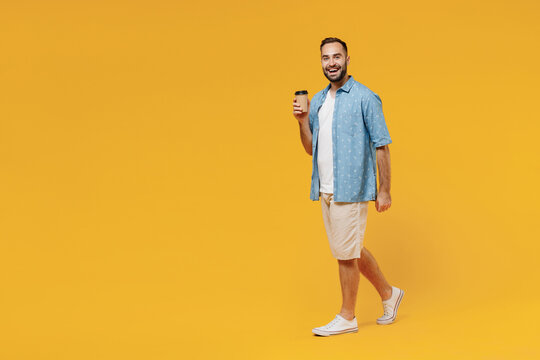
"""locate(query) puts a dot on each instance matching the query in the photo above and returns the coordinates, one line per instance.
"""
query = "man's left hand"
(383, 201)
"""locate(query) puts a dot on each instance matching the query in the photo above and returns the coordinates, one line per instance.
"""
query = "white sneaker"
(337, 326)
(390, 307)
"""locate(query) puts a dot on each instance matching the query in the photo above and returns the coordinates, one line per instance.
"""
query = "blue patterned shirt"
(358, 128)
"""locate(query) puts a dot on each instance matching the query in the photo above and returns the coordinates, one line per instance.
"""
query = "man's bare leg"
(370, 269)
(349, 276)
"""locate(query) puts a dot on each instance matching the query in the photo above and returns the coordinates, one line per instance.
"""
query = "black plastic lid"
(301, 92)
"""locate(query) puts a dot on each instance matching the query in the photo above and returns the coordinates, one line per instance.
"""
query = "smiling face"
(334, 61)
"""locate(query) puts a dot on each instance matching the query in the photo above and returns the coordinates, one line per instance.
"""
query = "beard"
(338, 76)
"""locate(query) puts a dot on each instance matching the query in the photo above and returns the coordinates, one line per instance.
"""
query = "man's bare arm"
(383, 163)
(303, 121)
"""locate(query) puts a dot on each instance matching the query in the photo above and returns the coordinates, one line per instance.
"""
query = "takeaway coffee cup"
(302, 99)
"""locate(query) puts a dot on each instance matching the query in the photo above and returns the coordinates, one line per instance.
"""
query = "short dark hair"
(334, 39)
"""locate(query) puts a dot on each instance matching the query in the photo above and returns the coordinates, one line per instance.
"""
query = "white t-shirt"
(325, 160)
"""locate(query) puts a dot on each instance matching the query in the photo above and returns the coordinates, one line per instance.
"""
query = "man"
(345, 132)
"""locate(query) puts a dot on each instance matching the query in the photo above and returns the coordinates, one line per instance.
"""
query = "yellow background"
(155, 194)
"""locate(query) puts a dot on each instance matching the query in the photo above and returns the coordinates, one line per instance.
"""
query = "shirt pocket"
(353, 124)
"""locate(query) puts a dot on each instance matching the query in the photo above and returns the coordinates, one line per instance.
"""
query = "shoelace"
(332, 323)
(387, 309)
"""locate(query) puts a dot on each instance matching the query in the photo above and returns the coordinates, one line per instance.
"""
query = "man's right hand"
(298, 114)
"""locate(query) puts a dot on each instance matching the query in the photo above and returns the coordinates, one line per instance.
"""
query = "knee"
(362, 262)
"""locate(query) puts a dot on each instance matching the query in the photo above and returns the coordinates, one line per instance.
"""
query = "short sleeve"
(374, 120)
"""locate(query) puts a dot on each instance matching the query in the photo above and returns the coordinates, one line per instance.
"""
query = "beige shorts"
(345, 224)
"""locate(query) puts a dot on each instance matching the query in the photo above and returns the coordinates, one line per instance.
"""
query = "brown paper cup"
(302, 99)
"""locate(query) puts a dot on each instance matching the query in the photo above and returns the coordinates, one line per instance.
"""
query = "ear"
(348, 59)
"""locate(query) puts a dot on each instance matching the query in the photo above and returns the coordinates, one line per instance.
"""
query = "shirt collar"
(346, 87)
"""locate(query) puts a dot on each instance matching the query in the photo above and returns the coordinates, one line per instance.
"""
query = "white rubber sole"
(337, 332)
(393, 318)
